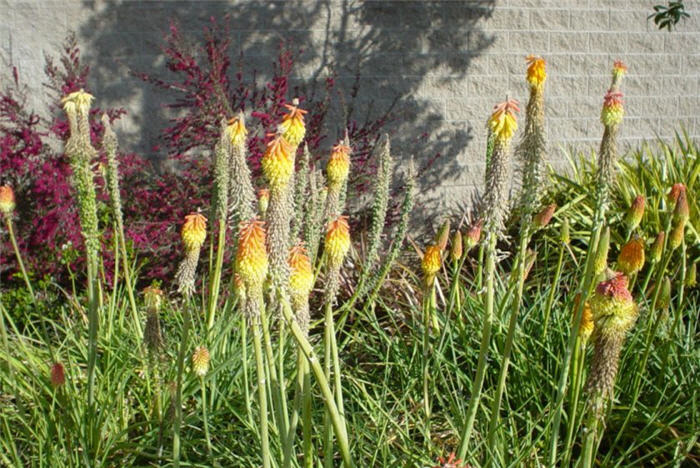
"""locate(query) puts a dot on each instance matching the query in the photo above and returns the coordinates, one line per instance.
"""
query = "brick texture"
(447, 62)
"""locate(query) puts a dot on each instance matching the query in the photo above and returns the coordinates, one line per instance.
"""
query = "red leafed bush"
(204, 89)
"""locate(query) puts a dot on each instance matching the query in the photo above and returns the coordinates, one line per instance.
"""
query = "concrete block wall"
(445, 63)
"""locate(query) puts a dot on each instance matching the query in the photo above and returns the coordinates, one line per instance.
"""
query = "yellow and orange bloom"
(7, 200)
(677, 234)
(338, 166)
(543, 218)
(631, 257)
(503, 122)
(278, 162)
(200, 361)
(536, 72)
(194, 231)
(337, 241)
(613, 110)
(432, 259)
(292, 126)
(58, 375)
(251, 255)
(263, 200)
(681, 212)
(614, 310)
(635, 213)
(301, 275)
(236, 131)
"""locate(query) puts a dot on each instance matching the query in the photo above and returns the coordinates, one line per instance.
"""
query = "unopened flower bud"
(543, 218)
(58, 375)
(657, 247)
(473, 235)
(631, 257)
(675, 192)
(664, 299)
(635, 213)
(263, 200)
(443, 235)
(601, 256)
(565, 235)
(456, 250)
(691, 276)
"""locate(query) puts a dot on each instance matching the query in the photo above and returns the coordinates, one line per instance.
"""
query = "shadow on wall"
(401, 51)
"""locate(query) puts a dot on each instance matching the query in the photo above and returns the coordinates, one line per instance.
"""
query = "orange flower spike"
(503, 122)
(337, 240)
(251, 255)
(236, 130)
(278, 162)
(7, 200)
(536, 72)
(631, 257)
(681, 212)
(194, 231)
(338, 166)
(613, 110)
(292, 126)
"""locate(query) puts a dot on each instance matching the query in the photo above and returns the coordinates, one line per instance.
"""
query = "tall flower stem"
(337, 420)
(262, 394)
(11, 231)
(505, 361)
(577, 381)
(428, 311)
(178, 392)
(478, 381)
(553, 290)
(205, 415)
(216, 277)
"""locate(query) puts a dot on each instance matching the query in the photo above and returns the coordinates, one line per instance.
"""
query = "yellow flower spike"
(536, 73)
(301, 276)
(586, 328)
(7, 199)
(432, 259)
(79, 101)
(613, 111)
(194, 231)
(337, 241)
(503, 122)
(200, 361)
(292, 126)
(338, 166)
(236, 131)
(251, 256)
(278, 162)
(631, 257)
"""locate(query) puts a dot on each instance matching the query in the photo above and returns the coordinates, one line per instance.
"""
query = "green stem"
(19, 257)
(262, 394)
(577, 370)
(328, 369)
(129, 284)
(428, 306)
(553, 290)
(244, 357)
(587, 284)
(336, 419)
(478, 382)
(178, 383)
(205, 417)
(216, 278)
(505, 362)
(589, 441)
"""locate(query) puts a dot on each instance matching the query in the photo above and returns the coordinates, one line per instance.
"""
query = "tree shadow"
(398, 55)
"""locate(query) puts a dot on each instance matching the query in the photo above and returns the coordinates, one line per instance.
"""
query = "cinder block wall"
(445, 63)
